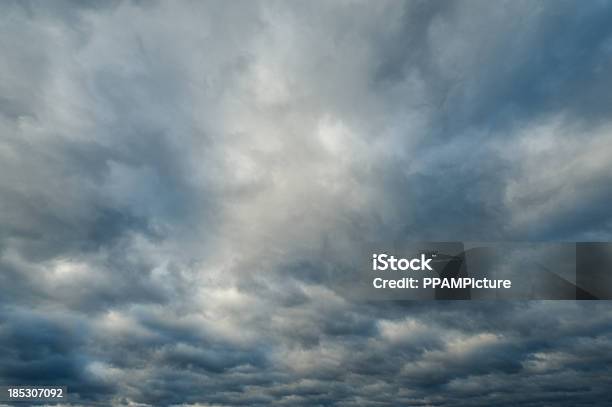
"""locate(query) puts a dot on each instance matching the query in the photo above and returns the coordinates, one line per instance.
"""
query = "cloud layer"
(178, 180)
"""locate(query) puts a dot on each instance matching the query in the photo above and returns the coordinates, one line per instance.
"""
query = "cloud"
(181, 185)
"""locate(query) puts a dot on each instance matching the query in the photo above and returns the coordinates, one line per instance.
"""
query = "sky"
(179, 181)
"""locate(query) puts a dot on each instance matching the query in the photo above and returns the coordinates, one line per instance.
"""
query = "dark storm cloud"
(490, 69)
(184, 187)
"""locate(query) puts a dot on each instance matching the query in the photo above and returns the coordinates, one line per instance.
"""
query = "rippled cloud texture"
(179, 179)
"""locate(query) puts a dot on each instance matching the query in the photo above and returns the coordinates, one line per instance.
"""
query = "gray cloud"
(182, 182)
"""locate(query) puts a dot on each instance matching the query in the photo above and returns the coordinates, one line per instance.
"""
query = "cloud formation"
(179, 180)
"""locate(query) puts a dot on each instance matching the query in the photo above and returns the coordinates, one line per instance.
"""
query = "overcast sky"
(179, 180)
